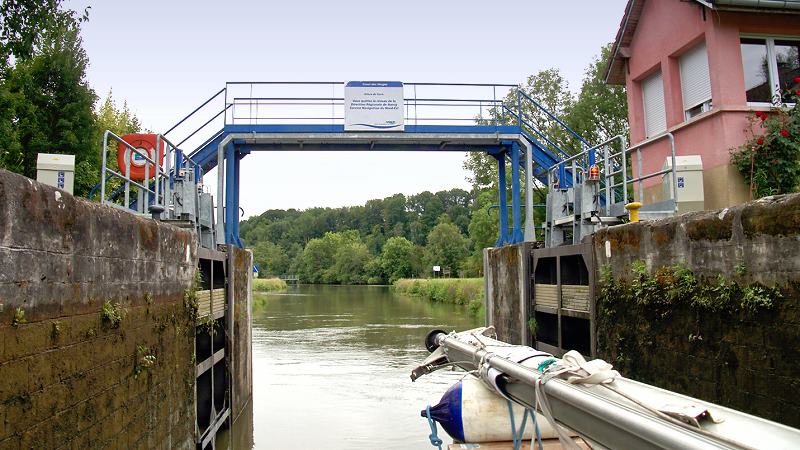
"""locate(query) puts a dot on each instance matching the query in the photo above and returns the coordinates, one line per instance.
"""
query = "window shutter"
(655, 115)
(695, 79)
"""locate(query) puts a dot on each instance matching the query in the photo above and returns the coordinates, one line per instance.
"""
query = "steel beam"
(516, 232)
(501, 189)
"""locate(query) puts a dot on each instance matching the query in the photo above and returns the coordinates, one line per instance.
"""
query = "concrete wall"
(743, 359)
(242, 330)
(68, 376)
(506, 272)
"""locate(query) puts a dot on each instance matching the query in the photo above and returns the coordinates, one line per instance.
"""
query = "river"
(331, 369)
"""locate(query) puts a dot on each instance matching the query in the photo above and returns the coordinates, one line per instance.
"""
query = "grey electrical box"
(689, 175)
(56, 170)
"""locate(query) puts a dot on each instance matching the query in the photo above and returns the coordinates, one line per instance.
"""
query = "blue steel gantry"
(498, 120)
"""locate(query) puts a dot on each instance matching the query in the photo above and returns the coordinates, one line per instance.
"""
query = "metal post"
(168, 178)
(157, 167)
(145, 191)
(129, 152)
(516, 235)
(639, 173)
(519, 109)
(105, 162)
(501, 189)
(231, 211)
(609, 180)
(674, 171)
(624, 152)
(530, 227)
(221, 226)
(237, 158)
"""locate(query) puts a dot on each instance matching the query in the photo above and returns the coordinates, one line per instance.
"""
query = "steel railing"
(614, 169)
(154, 192)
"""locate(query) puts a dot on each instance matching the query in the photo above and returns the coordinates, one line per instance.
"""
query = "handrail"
(195, 110)
(546, 111)
(638, 148)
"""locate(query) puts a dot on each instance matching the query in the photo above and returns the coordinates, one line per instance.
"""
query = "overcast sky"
(166, 57)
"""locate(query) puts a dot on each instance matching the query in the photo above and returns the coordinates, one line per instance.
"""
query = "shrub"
(770, 159)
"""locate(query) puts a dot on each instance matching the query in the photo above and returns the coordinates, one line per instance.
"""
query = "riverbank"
(269, 285)
(458, 291)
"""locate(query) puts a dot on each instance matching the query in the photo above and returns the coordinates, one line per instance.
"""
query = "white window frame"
(704, 105)
(774, 83)
(663, 104)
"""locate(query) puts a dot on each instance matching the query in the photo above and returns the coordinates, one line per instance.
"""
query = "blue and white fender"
(471, 412)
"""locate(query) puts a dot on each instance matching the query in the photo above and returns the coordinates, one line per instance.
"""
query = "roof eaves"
(615, 69)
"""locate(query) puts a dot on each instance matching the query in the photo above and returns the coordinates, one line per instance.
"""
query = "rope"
(574, 367)
(434, 436)
(519, 437)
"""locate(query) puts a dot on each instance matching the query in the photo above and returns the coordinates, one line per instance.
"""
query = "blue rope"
(538, 433)
(517, 442)
(519, 437)
(434, 437)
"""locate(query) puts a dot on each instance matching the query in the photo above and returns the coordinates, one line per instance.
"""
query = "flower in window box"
(760, 141)
(785, 132)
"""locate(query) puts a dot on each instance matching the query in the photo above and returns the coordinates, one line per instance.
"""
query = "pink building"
(697, 69)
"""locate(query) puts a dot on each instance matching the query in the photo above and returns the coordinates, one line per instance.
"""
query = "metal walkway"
(489, 118)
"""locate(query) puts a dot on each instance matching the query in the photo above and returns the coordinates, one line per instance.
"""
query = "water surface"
(331, 369)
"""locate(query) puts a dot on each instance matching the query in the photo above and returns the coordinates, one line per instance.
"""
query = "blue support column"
(503, 211)
(516, 199)
(236, 215)
(231, 209)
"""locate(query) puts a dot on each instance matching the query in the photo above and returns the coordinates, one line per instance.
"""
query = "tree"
(398, 259)
(351, 261)
(24, 22)
(446, 246)
(119, 121)
(601, 110)
(52, 108)
(271, 258)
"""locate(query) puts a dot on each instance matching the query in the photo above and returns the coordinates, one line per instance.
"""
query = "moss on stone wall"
(725, 340)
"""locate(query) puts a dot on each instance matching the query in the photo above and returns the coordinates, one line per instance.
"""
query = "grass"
(457, 291)
(268, 285)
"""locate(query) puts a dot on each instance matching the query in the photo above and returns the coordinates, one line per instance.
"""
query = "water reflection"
(331, 367)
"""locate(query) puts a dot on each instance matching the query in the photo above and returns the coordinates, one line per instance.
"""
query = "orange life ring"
(144, 142)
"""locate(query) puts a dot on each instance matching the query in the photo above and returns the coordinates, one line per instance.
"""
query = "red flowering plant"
(770, 159)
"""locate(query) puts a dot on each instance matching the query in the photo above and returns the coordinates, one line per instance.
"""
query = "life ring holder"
(145, 143)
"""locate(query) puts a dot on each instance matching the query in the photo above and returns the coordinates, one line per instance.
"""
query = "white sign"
(437, 268)
(373, 106)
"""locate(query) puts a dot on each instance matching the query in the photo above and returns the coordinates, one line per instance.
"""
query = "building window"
(695, 81)
(770, 67)
(655, 116)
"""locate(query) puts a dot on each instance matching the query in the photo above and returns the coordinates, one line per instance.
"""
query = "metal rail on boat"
(605, 414)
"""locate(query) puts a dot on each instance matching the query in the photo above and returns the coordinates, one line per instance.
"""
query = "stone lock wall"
(707, 304)
(506, 291)
(96, 345)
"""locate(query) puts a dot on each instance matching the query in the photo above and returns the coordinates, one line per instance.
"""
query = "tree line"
(381, 241)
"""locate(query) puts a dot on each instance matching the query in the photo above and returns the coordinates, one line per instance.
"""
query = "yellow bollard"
(633, 211)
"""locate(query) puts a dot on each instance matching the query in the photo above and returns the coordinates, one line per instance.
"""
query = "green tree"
(23, 24)
(446, 247)
(398, 259)
(351, 262)
(52, 108)
(601, 110)
(271, 258)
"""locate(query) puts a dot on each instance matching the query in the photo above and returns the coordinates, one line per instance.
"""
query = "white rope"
(573, 368)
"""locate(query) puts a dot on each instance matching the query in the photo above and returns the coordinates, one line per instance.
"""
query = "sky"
(164, 58)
